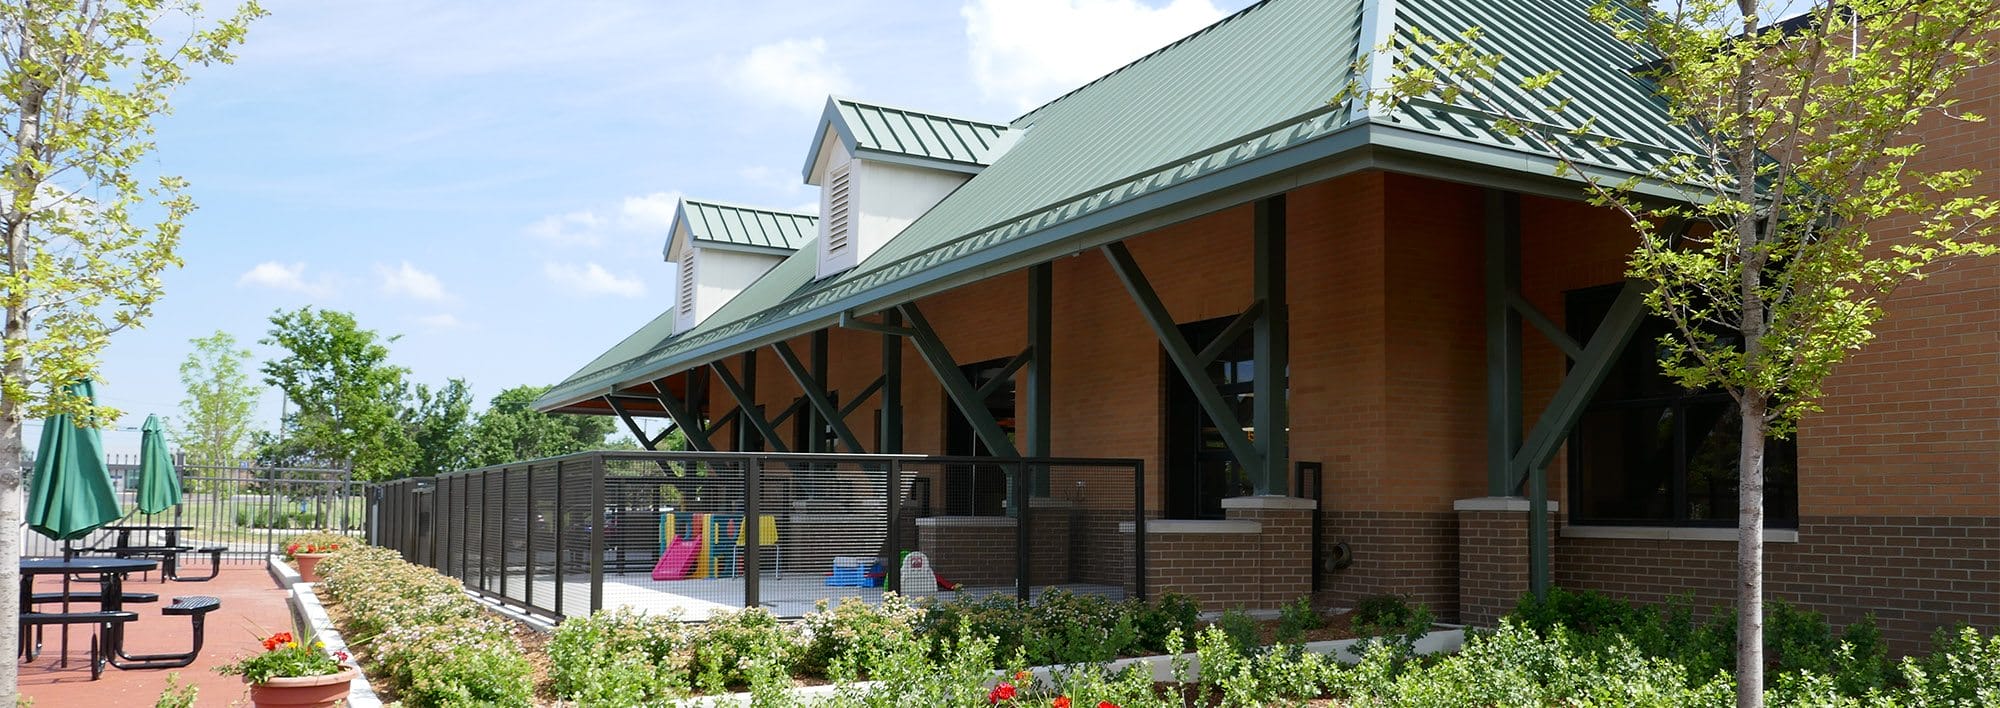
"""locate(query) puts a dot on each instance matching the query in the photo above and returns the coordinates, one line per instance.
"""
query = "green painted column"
(1272, 346)
(1038, 385)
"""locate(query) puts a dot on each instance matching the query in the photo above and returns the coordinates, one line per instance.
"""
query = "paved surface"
(253, 606)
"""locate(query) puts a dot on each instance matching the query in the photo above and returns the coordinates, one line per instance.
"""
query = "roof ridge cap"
(837, 98)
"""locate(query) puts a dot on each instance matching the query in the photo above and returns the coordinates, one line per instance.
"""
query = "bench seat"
(42, 598)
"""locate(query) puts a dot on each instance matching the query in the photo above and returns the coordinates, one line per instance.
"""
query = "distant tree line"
(346, 404)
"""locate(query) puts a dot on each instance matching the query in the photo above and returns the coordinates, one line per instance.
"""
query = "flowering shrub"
(318, 543)
(743, 648)
(621, 658)
(434, 645)
(844, 639)
(1064, 628)
(286, 657)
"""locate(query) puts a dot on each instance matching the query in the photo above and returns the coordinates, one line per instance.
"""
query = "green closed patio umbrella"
(159, 483)
(70, 493)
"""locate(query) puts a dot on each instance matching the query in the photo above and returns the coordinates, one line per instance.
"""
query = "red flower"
(277, 640)
(1106, 704)
(1062, 702)
(1002, 692)
(340, 656)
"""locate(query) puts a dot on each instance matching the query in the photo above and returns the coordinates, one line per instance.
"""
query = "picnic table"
(168, 552)
(107, 645)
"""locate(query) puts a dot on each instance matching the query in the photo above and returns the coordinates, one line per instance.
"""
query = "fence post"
(752, 531)
(892, 580)
(506, 512)
(464, 527)
(597, 534)
(1022, 518)
(528, 544)
(1139, 529)
(562, 513)
(485, 539)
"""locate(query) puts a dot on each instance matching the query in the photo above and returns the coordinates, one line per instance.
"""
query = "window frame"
(1592, 300)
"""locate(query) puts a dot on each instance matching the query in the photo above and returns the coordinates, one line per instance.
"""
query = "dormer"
(720, 249)
(879, 168)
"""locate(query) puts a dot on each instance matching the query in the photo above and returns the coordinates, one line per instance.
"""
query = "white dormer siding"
(866, 202)
(712, 272)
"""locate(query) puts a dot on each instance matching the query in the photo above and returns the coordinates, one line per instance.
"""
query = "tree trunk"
(1750, 556)
(11, 512)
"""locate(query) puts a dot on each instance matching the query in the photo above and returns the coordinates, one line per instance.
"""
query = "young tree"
(346, 399)
(441, 426)
(512, 430)
(1810, 184)
(215, 423)
(83, 237)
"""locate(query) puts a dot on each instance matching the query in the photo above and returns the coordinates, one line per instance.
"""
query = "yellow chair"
(767, 537)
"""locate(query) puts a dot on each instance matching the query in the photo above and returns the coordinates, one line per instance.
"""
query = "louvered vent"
(687, 285)
(839, 229)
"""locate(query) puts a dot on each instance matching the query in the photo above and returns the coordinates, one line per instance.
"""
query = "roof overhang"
(1351, 149)
(637, 400)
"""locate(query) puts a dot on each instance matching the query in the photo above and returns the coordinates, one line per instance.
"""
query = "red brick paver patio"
(252, 606)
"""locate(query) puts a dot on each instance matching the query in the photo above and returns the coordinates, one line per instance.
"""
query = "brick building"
(1118, 273)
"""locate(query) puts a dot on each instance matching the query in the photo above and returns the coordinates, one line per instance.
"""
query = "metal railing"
(701, 532)
(254, 511)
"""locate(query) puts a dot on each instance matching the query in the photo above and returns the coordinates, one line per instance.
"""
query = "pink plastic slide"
(674, 564)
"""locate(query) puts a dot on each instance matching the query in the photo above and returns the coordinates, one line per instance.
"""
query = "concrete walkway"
(253, 606)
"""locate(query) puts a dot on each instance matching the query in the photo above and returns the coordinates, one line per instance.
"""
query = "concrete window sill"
(1674, 533)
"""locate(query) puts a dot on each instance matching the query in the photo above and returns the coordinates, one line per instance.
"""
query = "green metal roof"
(718, 224)
(1243, 98)
(902, 135)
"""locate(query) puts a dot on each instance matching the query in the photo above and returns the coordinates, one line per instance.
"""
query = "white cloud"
(649, 214)
(284, 276)
(441, 321)
(407, 280)
(642, 219)
(1026, 52)
(577, 228)
(795, 73)
(592, 279)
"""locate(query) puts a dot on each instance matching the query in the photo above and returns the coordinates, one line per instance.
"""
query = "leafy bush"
(1391, 624)
(845, 640)
(1066, 628)
(740, 648)
(1239, 629)
(434, 645)
(1172, 613)
(1295, 619)
(620, 658)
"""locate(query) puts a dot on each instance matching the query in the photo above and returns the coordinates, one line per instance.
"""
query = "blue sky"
(493, 180)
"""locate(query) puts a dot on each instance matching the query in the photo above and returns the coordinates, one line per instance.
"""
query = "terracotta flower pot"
(302, 691)
(309, 565)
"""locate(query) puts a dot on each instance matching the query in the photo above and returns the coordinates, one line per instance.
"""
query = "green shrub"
(1963, 670)
(734, 647)
(1067, 628)
(845, 640)
(178, 694)
(620, 658)
(1240, 629)
(1156, 621)
(1295, 619)
(432, 644)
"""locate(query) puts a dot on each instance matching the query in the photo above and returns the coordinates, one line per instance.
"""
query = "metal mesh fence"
(696, 533)
(252, 511)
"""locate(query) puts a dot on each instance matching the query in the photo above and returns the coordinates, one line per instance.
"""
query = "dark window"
(977, 490)
(1649, 452)
(1201, 471)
